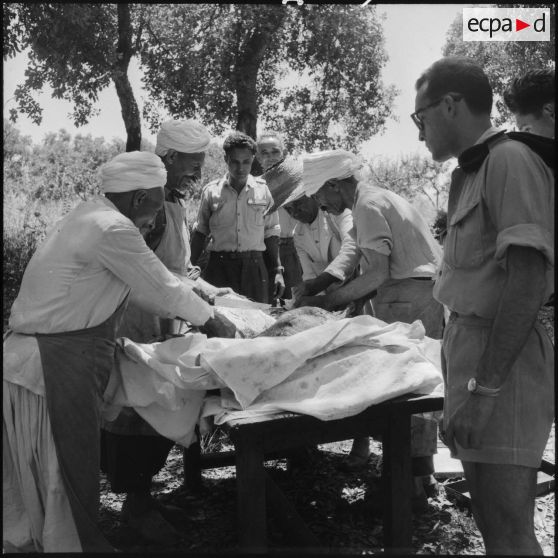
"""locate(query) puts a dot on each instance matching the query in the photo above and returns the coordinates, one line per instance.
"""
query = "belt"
(469, 319)
(237, 255)
(422, 278)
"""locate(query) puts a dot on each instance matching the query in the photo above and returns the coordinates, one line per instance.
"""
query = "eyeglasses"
(417, 119)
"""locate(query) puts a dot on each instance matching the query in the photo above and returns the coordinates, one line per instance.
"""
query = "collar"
(250, 182)
(472, 158)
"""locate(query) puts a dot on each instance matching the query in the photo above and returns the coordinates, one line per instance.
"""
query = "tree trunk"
(124, 51)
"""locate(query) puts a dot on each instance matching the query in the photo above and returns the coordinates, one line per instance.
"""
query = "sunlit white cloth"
(184, 136)
(330, 371)
(135, 170)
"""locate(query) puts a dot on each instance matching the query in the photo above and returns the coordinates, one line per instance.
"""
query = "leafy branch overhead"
(313, 72)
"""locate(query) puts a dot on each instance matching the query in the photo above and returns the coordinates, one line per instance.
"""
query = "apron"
(76, 366)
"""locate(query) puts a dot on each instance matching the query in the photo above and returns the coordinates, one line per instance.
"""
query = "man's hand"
(467, 425)
(219, 326)
(222, 291)
(209, 297)
(278, 285)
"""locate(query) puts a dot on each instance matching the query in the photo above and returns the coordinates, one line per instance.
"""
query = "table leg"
(250, 482)
(397, 481)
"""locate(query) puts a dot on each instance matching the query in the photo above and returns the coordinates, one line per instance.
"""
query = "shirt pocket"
(256, 213)
(222, 213)
(464, 246)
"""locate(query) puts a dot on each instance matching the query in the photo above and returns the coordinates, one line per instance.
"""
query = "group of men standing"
(318, 228)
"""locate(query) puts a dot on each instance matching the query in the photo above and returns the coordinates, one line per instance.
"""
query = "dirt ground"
(331, 503)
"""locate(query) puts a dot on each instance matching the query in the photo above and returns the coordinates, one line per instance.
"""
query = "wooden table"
(256, 438)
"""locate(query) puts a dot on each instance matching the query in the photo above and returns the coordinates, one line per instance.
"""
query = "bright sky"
(415, 35)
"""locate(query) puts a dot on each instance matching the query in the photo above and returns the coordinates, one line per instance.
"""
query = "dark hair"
(458, 74)
(527, 94)
(239, 140)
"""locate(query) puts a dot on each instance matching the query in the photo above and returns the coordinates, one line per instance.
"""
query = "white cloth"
(184, 136)
(136, 170)
(37, 516)
(318, 243)
(322, 166)
(329, 371)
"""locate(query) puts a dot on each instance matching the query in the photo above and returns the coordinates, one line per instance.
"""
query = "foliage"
(505, 60)
(414, 175)
(233, 63)
(78, 49)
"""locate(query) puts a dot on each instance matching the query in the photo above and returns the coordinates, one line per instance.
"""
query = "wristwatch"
(474, 387)
(280, 268)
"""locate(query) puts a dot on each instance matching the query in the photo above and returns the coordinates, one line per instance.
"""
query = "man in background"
(531, 98)
(233, 210)
(270, 151)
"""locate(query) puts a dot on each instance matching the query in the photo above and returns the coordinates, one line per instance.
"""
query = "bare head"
(270, 149)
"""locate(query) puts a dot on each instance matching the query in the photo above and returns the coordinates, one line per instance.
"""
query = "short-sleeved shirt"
(286, 222)
(508, 201)
(237, 222)
(318, 243)
(388, 224)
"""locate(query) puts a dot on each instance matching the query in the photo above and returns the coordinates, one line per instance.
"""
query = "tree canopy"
(312, 72)
(505, 60)
(78, 49)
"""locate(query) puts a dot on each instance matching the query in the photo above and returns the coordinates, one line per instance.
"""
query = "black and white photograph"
(278, 279)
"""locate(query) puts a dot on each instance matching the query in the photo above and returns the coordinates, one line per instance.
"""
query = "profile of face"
(430, 118)
(144, 206)
(303, 209)
(329, 198)
(270, 151)
(239, 161)
(542, 125)
(183, 169)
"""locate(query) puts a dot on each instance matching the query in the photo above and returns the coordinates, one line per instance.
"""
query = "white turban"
(184, 136)
(320, 167)
(136, 170)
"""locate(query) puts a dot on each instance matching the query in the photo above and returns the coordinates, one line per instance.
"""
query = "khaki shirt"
(237, 222)
(318, 243)
(388, 224)
(508, 201)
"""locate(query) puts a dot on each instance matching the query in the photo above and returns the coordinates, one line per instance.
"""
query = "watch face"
(472, 384)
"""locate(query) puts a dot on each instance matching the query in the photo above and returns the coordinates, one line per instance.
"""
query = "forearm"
(272, 249)
(356, 289)
(196, 246)
(521, 299)
(319, 283)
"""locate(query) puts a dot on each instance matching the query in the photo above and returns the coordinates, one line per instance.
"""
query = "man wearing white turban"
(59, 351)
(399, 258)
(132, 451)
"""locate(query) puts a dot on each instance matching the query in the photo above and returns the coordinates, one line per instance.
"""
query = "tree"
(502, 61)
(78, 49)
(230, 68)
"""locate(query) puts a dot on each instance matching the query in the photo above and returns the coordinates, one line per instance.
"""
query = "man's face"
(329, 198)
(184, 170)
(304, 209)
(542, 125)
(145, 204)
(434, 129)
(239, 161)
(270, 151)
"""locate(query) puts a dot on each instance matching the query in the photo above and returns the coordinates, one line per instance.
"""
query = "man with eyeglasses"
(496, 273)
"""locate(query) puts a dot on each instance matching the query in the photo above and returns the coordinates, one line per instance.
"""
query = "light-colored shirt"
(508, 201)
(237, 221)
(286, 223)
(318, 243)
(85, 268)
(388, 224)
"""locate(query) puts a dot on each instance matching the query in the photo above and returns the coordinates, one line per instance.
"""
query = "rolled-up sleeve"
(520, 200)
(124, 252)
(204, 212)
